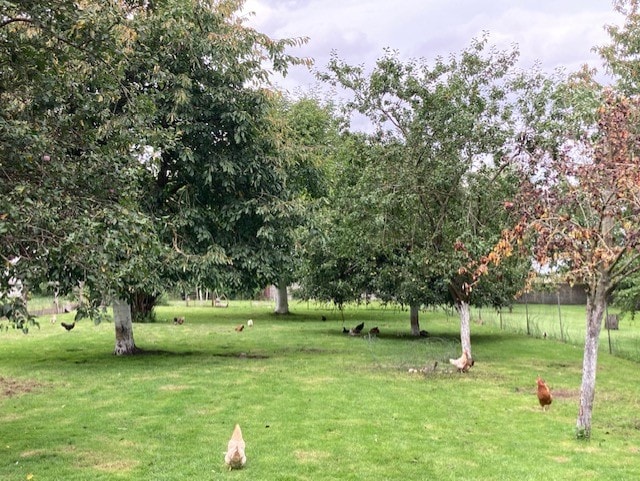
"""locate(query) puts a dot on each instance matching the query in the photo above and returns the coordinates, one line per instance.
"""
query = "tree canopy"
(136, 155)
(431, 177)
(68, 175)
(579, 197)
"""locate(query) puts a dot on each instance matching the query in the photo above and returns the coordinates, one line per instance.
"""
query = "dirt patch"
(310, 456)
(14, 387)
(100, 461)
(242, 355)
(556, 393)
(311, 350)
(565, 393)
(173, 387)
(119, 466)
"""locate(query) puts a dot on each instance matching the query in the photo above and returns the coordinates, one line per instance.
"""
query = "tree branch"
(16, 19)
(53, 34)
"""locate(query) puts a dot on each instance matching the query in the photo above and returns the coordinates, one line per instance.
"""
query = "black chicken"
(354, 331)
(68, 327)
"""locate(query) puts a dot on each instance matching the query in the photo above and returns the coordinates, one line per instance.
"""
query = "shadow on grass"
(163, 353)
(476, 339)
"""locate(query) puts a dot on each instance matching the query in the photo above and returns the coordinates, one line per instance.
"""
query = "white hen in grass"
(235, 457)
(463, 363)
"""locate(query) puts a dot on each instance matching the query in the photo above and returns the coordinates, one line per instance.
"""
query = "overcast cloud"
(557, 34)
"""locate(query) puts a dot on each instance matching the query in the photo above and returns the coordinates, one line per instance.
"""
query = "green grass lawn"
(313, 403)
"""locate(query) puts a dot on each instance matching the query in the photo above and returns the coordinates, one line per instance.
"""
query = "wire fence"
(620, 335)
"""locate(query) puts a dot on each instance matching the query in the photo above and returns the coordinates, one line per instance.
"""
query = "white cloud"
(554, 33)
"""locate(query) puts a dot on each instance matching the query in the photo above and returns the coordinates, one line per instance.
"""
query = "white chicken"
(235, 457)
(463, 363)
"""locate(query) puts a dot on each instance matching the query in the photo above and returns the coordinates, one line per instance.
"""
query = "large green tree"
(137, 147)
(336, 251)
(308, 134)
(439, 174)
(215, 175)
(68, 177)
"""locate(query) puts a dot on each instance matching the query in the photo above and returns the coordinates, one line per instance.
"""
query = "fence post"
(560, 318)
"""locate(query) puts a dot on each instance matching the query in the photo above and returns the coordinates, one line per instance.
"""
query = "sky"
(553, 33)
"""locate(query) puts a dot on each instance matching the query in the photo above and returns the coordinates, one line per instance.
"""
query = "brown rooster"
(544, 394)
(463, 363)
(235, 457)
(239, 327)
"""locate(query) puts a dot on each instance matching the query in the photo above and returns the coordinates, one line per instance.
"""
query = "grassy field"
(313, 403)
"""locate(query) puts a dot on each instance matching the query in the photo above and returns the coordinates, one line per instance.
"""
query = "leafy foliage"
(65, 161)
(306, 139)
(135, 153)
(580, 204)
(215, 177)
(433, 175)
(583, 204)
(621, 54)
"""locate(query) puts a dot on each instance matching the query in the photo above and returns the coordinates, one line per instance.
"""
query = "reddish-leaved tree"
(581, 203)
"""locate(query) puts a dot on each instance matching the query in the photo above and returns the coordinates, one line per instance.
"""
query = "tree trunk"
(596, 306)
(282, 298)
(142, 305)
(124, 328)
(464, 311)
(414, 313)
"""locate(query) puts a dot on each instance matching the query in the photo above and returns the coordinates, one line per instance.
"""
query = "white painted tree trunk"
(414, 313)
(124, 328)
(282, 298)
(464, 311)
(596, 307)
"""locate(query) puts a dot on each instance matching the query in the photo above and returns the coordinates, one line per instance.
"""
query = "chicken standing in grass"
(235, 457)
(68, 327)
(544, 394)
(354, 331)
(463, 363)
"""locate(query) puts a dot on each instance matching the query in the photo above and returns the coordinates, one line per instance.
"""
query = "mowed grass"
(313, 403)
